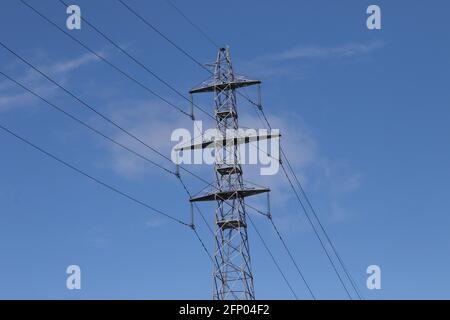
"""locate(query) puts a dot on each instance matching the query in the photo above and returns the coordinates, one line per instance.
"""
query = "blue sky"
(364, 117)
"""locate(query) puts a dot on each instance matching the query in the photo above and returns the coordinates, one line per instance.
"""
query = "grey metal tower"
(232, 275)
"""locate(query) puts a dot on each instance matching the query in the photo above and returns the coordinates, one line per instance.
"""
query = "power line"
(107, 186)
(196, 61)
(292, 258)
(98, 112)
(272, 257)
(123, 73)
(317, 234)
(205, 35)
(106, 137)
(283, 154)
(179, 48)
(103, 135)
(83, 123)
(105, 60)
(93, 109)
(307, 199)
(138, 62)
(134, 59)
(355, 287)
(184, 52)
(315, 215)
(110, 64)
(94, 130)
(140, 17)
(79, 99)
(249, 100)
(347, 273)
(154, 28)
(203, 244)
(265, 245)
(96, 180)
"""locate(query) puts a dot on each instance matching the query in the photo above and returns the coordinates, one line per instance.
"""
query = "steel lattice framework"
(232, 275)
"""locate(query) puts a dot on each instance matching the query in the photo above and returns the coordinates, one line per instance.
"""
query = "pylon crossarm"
(229, 195)
(220, 86)
(228, 141)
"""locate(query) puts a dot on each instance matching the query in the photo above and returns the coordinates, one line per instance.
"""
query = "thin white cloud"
(150, 121)
(60, 71)
(69, 65)
(320, 52)
(153, 123)
(343, 179)
(332, 180)
(10, 101)
(291, 62)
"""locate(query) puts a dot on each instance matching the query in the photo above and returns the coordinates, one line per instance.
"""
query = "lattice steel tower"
(232, 275)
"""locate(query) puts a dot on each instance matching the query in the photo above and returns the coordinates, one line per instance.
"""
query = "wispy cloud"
(290, 61)
(153, 123)
(330, 180)
(8, 102)
(319, 52)
(150, 121)
(63, 67)
(60, 71)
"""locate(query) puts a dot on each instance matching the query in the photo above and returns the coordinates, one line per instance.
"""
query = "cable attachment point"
(177, 166)
(259, 104)
(192, 225)
(191, 98)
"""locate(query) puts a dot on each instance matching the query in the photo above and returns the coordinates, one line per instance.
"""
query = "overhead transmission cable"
(145, 21)
(107, 186)
(138, 62)
(96, 111)
(328, 239)
(82, 102)
(154, 28)
(91, 177)
(85, 124)
(90, 107)
(121, 71)
(91, 127)
(205, 35)
(188, 55)
(268, 123)
(272, 257)
(348, 274)
(94, 130)
(104, 59)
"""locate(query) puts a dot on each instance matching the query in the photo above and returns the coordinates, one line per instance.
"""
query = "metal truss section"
(232, 275)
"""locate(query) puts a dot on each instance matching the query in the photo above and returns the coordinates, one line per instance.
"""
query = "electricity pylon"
(232, 275)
